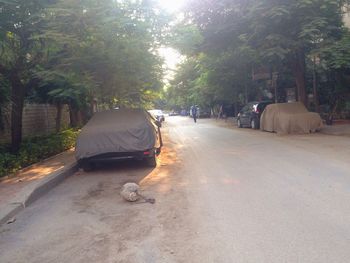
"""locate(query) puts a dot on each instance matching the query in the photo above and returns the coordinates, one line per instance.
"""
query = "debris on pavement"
(148, 200)
(130, 192)
(11, 220)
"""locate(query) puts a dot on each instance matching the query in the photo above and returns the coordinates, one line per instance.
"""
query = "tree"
(182, 90)
(77, 51)
(334, 67)
(4, 99)
(113, 43)
(282, 32)
(21, 51)
(288, 31)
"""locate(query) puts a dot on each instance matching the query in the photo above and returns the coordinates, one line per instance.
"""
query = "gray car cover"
(116, 131)
(291, 118)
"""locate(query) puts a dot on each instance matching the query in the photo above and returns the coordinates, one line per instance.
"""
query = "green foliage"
(4, 98)
(337, 54)
(80, 51)
(182, 90)
(237, 36)
(20, 47)
(106, 52)
(35, 149)
(186, 38)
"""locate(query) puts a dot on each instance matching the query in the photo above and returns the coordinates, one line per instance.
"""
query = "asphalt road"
(222, 194)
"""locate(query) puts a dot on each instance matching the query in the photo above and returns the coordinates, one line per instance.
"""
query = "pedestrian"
(194, 113)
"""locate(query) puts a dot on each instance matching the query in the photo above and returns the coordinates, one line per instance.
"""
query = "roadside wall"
(38, 119)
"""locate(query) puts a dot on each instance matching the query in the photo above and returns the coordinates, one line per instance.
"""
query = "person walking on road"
(194, 113)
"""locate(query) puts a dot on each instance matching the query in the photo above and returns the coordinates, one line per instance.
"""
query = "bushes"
(35, 149)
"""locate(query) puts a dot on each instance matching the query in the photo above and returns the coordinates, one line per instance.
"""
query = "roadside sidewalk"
(19, 190)
(339, 127)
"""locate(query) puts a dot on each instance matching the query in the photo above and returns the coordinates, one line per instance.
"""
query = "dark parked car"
(174, 113)
(204, 113)
(249, 115)
(118, 135)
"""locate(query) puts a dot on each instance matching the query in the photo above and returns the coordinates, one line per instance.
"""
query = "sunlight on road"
(168, 164)
(35, 173)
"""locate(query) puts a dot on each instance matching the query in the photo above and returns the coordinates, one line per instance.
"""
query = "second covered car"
(292, 117)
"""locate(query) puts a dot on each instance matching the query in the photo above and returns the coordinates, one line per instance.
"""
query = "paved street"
(222, 194)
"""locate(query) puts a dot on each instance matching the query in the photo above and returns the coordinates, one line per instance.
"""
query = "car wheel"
(152, 161)
(254, 124)
(239, 124)
(87, 166)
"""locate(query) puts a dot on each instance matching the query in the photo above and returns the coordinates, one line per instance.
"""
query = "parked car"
(290, 118)
(249, 115)
(118, 135)
(158, 114)
(204, 113)
(174, 113)
(184, 112)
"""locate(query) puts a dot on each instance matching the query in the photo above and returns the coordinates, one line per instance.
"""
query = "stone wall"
(38, 119)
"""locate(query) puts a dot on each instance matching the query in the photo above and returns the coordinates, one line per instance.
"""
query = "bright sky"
(172, 58)
(170, 55)
(171, 5)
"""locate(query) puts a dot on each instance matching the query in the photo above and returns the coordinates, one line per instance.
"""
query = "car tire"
(254, 124)
(239, 124)
(152, 161)
(87, 166)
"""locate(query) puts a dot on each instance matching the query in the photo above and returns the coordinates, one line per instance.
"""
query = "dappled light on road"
(162, 175)
(10, 186)
(35, 173)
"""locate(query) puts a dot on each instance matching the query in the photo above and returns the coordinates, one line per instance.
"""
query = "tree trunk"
(73, 114)
(314, 86)
(17, 100)
(299, 75)
(58, 116)
(80, 118)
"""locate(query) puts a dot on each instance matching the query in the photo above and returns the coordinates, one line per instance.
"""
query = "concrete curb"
(33, 192)
(335, 133)
(35, 164)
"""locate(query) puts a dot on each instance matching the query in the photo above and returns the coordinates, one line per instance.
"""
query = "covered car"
(286, 118)
(119, 134)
